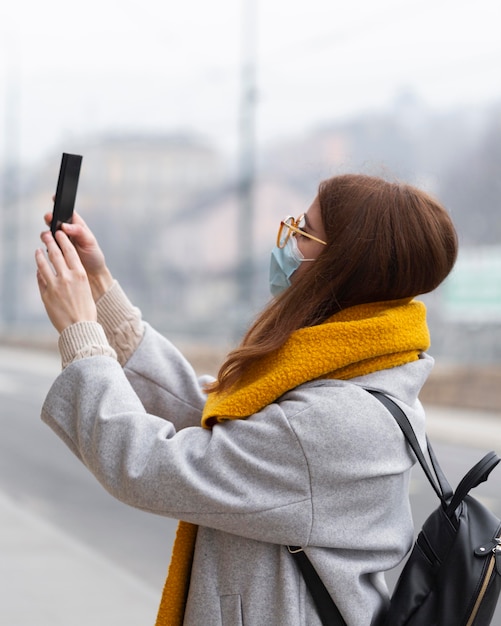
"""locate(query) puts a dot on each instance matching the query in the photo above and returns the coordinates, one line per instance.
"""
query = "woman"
(286, 447)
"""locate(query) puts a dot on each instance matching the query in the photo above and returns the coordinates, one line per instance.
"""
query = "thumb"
(77, 233)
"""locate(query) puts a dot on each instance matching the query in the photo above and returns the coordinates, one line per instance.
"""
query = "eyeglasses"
(289, 226)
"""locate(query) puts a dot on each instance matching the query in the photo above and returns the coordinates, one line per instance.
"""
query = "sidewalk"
(48, 579)
(479, 429)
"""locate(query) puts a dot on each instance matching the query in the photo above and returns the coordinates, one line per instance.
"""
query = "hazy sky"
(71, 69)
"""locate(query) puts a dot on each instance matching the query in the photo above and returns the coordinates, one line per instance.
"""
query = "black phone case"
(66, 191)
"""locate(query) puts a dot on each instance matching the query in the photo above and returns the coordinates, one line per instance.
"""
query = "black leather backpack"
(453, 574)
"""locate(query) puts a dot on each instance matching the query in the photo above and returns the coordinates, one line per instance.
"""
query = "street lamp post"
(247, 159)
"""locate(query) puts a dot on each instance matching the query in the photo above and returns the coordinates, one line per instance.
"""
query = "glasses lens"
(284, 232)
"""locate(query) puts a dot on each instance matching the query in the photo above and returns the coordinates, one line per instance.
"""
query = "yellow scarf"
(357, 341)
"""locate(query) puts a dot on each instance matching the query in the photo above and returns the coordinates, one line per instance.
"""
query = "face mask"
(284, 262)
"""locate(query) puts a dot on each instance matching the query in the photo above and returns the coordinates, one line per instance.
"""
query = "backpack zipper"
(485, 583)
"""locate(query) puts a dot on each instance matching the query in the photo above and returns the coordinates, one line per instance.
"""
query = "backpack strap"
(478, 474)
(327, 610)
(436, 478)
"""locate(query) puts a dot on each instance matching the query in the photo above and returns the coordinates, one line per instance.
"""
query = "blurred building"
(471, 308)
(167, 210)
(130, 188)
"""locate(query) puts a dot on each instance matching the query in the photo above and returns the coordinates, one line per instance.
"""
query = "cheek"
(309, 249)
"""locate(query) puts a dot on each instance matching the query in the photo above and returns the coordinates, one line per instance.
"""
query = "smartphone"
(66, 190)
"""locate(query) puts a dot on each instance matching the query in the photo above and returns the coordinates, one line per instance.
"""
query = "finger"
(45, 273)
(48, 239)
(73, 230)
(69, 253)
(77, 219)
(80, 234)
(42, 283)
(54, 253)
(46, 236)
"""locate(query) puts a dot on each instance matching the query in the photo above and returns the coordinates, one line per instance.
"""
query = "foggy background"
(201, 125)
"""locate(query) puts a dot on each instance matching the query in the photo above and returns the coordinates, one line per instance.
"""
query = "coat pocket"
(231, 610)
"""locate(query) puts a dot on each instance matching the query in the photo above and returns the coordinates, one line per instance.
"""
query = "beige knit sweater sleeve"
(117, 332)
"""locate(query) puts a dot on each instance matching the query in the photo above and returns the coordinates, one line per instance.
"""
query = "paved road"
(96, 556)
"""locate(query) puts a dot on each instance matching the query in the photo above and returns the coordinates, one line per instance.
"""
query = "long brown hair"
(385, 241)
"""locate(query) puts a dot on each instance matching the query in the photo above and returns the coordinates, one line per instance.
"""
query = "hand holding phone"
(66, 190)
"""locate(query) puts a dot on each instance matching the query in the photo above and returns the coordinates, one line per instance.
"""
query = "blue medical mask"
(284, 262)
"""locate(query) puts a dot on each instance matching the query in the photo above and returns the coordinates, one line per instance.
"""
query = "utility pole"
(247, 158)
(9, 200)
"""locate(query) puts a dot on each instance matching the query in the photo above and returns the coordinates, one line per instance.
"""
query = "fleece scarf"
(354, 342)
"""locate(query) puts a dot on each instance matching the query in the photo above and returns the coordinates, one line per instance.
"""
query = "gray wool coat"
(324, 467)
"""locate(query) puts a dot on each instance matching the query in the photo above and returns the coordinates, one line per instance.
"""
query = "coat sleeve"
(248, 477)
(158, 372)
(165, 381)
